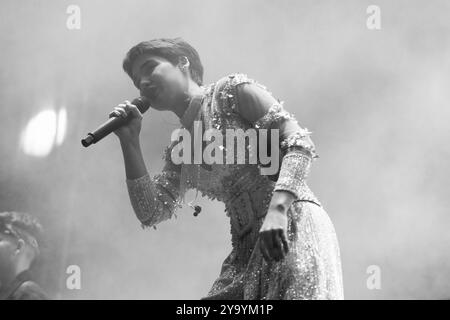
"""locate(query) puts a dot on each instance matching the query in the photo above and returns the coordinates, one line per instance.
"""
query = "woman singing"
(284, 245)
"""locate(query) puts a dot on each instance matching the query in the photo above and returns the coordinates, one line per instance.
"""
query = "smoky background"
(375, 100)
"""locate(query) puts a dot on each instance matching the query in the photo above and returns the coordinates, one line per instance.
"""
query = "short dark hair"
(22, 225)
(170, 49)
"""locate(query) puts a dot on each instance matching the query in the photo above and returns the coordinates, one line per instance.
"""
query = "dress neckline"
(192, 110)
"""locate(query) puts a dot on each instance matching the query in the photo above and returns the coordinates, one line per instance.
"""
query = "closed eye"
(146, 69)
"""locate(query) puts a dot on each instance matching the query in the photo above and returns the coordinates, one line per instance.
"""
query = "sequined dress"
(312, 267)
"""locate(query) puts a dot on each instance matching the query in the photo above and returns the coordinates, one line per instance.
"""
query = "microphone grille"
(141, 103)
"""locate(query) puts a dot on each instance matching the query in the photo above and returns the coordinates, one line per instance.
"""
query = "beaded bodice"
(240, 185)
(222, 181)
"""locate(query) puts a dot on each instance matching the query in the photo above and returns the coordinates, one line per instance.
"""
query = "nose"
(148, 91)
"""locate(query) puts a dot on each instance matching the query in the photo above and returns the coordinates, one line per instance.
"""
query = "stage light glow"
(43, 132)
(61, 126)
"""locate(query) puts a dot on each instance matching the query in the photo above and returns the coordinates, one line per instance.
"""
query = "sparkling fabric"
(293, 173)
(312, 268)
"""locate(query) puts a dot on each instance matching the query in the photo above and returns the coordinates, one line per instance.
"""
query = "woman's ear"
(183, 63)
(20, 245)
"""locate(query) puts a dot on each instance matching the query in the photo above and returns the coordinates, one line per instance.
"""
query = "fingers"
(267, 239)
(114, 114)
(119, 111)
(274, 245)
(281, 244)
(264, 250)
(278, 252)
(131, 108)
(284, 241)
(124, 109)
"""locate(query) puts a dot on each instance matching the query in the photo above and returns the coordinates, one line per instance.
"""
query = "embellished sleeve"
(155, 199)
(257, 105)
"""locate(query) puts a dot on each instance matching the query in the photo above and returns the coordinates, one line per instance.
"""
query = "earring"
(197, 208)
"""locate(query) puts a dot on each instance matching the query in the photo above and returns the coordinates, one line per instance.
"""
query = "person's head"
(19, 234)
(162, 69)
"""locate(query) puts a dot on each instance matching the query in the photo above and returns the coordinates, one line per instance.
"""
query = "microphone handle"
(105, 129)
(112, 124)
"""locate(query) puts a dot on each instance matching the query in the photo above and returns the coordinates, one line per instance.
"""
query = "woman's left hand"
(273, 232)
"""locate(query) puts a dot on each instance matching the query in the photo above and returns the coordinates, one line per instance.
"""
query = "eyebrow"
(150, 61)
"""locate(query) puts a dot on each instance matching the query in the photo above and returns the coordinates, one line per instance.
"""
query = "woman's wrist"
(134, 162)
(130, 141)
(281, 201)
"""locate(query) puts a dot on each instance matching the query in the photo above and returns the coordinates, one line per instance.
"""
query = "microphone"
(113, 123)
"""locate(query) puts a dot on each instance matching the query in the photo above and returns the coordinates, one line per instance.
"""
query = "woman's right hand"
(130, 131)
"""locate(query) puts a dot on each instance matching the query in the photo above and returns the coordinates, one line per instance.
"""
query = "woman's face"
(162, 83)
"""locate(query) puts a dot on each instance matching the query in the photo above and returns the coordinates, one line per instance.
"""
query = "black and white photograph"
(224, 150)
